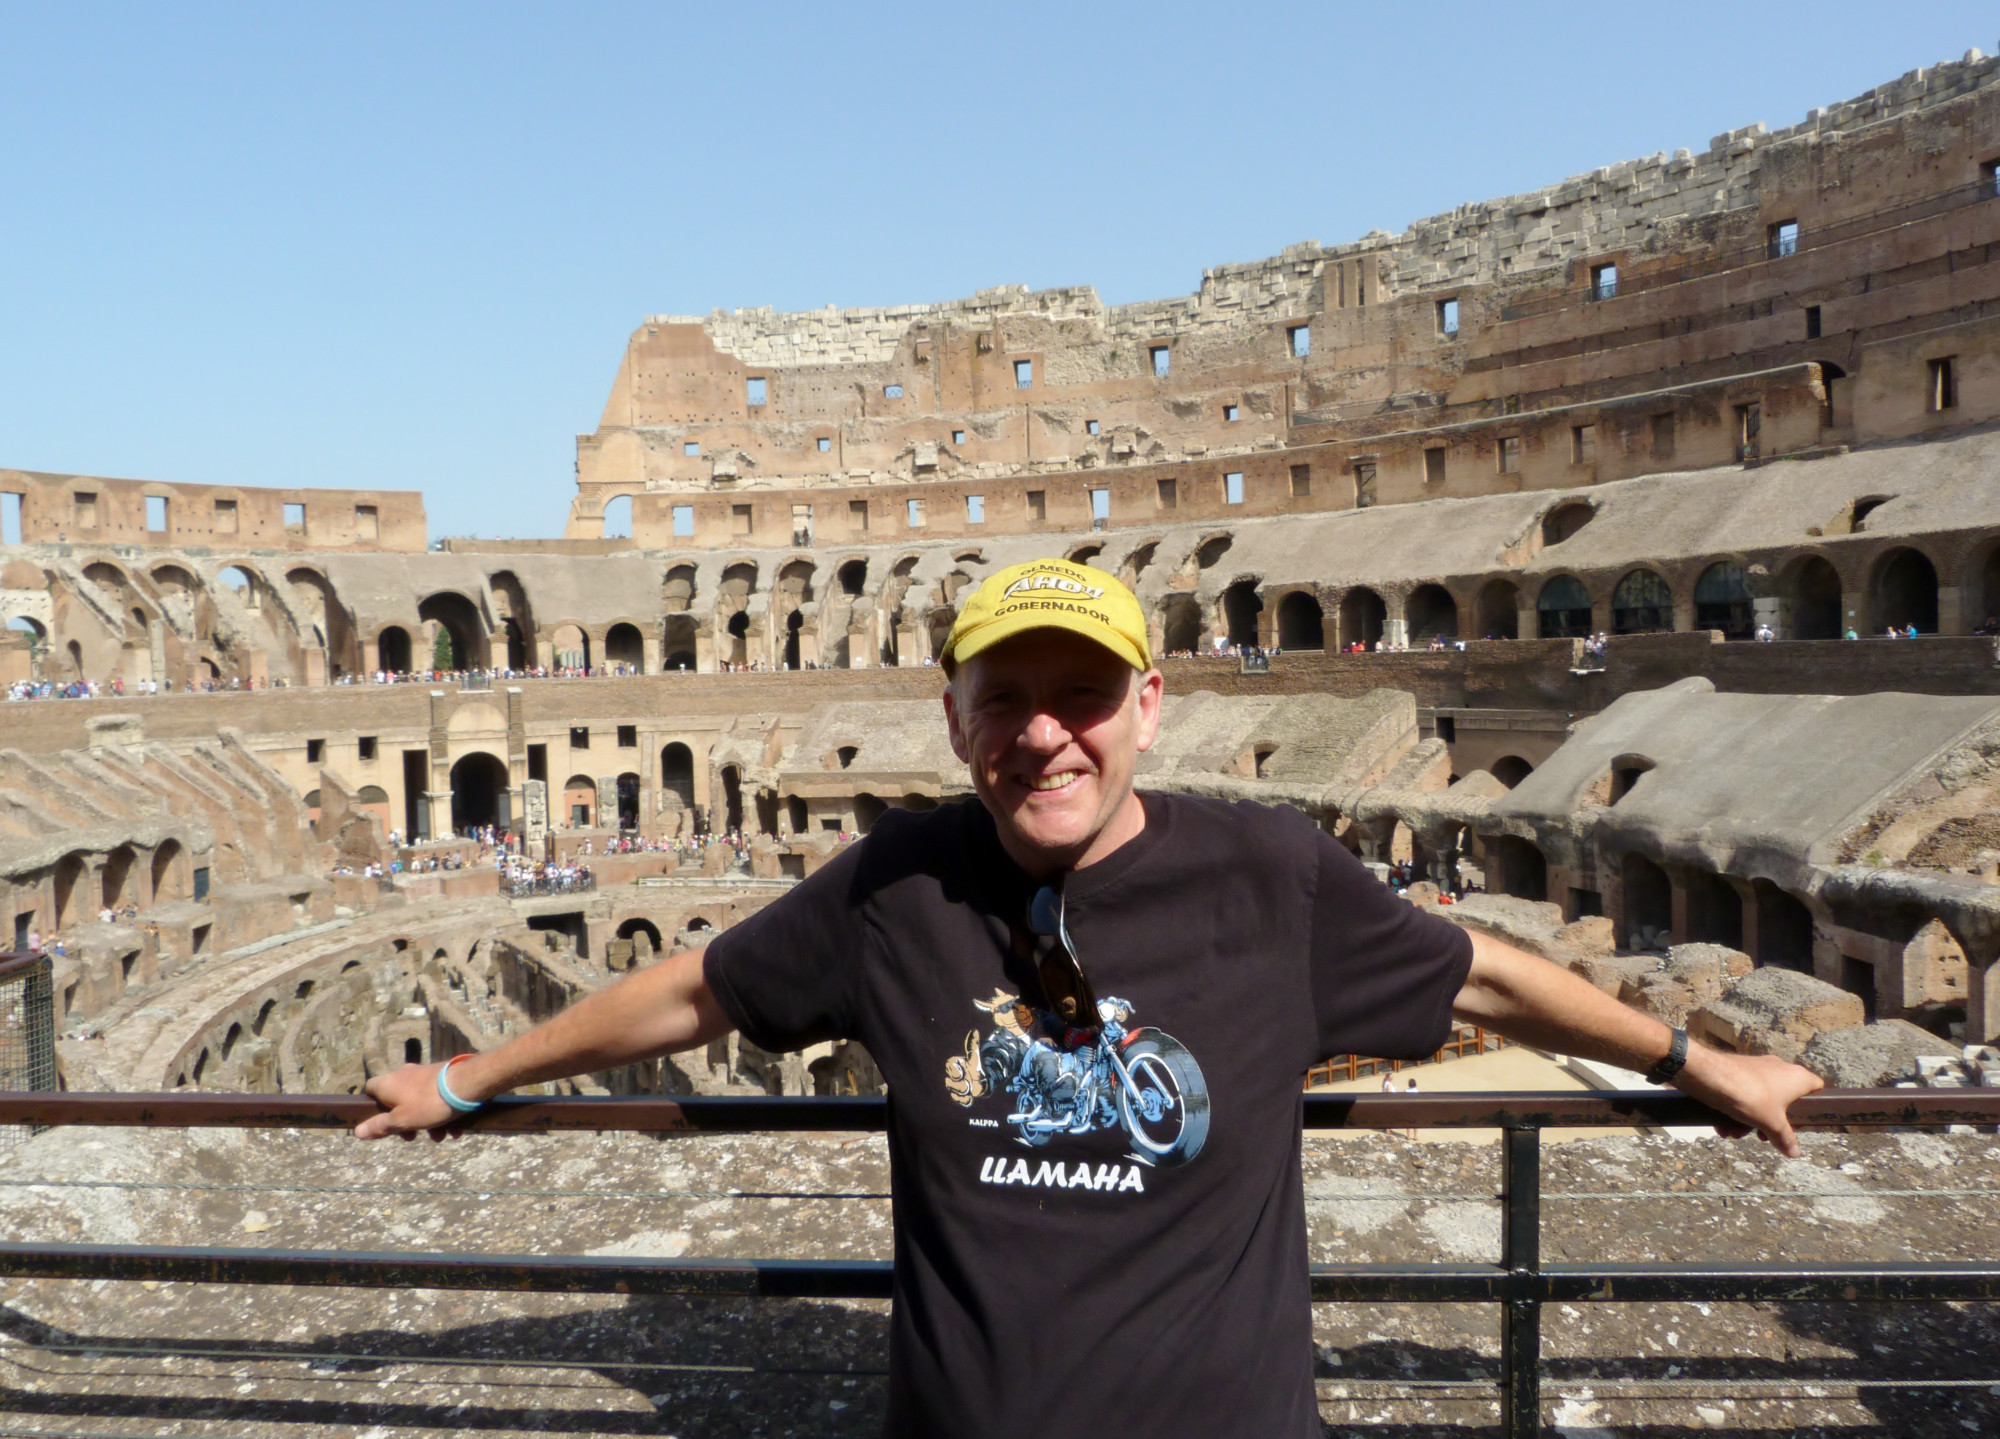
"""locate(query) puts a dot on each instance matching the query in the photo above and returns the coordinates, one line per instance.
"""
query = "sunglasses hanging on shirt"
(1067, 988)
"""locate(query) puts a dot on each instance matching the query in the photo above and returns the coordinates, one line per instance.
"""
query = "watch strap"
(1675, 1061)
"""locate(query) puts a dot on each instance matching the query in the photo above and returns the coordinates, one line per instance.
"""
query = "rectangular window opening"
(1163, 359)
(1663, 436)
(892, 392)
(295, 519)
(1784, 239)
(1603, 282)
(1302, 481)
(1364, 478)
(86, 510)
(1989, 178)
(916, 513)
(1943, 385)
(1812, 322)
(1024, 374)
(1169, 494)
(1229, 414)
(315, 751)
(1510, 454)
(824, 443)
(684, 521)
(857, 516)
(579, 737)
(1299, 340)
(1448, 317)
(1038, 505)
(538, 762)
(958, 437)
(1434, 466)
(367, 522)
(756, 391)
(156, 514)
(10, 517)
(1100, 509)
(975, 509)
(691, 448)
(1092, 426)
(628, 736)
(739, 519)
(225, 517)
(1582, 444)
(1749, 427)
(365, 747)
(1232, 488)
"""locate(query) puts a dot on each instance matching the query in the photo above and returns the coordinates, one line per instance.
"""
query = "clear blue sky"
(402, 246)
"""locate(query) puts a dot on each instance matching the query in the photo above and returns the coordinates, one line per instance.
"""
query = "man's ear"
(958, 745)
(1152, 686)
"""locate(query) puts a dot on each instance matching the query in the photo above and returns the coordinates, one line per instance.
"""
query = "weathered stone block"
(1870, 1056)
(1775, 1011)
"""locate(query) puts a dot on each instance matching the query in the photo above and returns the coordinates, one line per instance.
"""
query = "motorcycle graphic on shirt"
(1070, 1081)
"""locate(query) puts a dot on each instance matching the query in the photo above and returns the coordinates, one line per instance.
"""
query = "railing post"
(1521, 1257)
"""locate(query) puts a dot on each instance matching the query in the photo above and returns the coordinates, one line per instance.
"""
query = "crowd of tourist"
(115, 688)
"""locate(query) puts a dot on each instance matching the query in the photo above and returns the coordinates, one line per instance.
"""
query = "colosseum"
(1553, 547)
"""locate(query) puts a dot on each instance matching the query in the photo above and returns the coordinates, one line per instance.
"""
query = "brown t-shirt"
(1098, 1233)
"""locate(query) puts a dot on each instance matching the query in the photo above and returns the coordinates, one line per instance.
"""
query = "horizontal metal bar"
(869, 1279)
(517, 1273)
(1865, 1108)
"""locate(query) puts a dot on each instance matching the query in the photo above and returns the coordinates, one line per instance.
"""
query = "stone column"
(1854, 611)
(1527, 620)
(1951, 611)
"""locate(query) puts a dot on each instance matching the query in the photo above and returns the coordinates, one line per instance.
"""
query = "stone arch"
(1212, 549)
(1301, 622)
(638, 925)
(569, 644)
(1430, 612)
(1523, 868)
(853, 578)
(1085, 553)
(167, 881)
(677, 772)
(70, 872)
(677, 589)
(1904, 591)
(681, 643)
(1810, 588)
(1180, 622)
(940, 623)
(1562, 609)
(1566, 519)
(1510, 769)
(393, 649)
(1136, 562)
(458, 617)
(732, 799)
(1784, 928)
(1496, 613)
(617, 518)
(1722, 600)
(1647, 911)
(628, 799)
(1363, 613)
(119, 867)
(479, 796)
(579, 802)
(867, 809)
(1241, 604)
(1714, 910)
(1980, 587)
(1642, 603)
(623, 645)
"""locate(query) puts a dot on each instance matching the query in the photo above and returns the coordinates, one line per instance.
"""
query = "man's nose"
(1044, 733)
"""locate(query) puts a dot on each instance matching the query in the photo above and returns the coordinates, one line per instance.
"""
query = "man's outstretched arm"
(1535, 1002)
(663, 1009)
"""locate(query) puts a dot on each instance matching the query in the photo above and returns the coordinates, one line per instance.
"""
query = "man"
(1096, 1062)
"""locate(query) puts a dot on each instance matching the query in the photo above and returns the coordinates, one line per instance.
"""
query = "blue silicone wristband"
(463, 1106)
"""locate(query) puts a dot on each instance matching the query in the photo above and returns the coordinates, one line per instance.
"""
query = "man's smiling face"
(1051, 725)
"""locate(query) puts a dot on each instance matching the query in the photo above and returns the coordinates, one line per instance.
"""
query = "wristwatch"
(1675, 1061)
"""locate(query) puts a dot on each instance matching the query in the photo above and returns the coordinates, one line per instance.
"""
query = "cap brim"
(995, 631)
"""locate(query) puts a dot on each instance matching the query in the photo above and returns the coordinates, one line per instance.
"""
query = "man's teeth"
(1054, 781)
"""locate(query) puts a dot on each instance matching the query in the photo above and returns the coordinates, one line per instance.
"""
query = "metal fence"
(27, 1031)
(527, 887)
(1520, 1283)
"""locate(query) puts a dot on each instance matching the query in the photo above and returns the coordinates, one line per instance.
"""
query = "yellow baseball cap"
(1050, 594)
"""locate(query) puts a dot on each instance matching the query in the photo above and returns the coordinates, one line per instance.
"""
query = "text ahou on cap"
(1051, 594)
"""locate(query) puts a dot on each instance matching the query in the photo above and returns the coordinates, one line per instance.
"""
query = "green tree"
(441, 656)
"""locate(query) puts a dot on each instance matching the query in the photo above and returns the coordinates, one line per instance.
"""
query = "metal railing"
(542, 888)
(1521, 1283)
(27, 1029)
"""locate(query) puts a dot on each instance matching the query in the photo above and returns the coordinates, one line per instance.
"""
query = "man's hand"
(1753, 1089)
(411, 1105)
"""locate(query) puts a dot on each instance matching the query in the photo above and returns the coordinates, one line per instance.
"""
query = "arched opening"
(1510, 769)
(941, 622)
(1648, 903)
(918, 803)
(632, 928)
(580, 801)
(1211, 550)
(767, 812)
(517, 645)
(1181, 625)
(739, 638)
(69, 890)
(1562, 609)
(1136, 562)
(1240, 607)
(677, 772)
(680, 646)
(478, 787)
(853, 578)
(797, 813)
(1301, 622)
(867, 809)
(229, 1038)
(1497, 611)
(1814, 592)
(1722, 600)
(1642, 604)
(1524, 870)
(794, 623)
(628, 800)
(167, 871)
(1905, 593)
(264, 1012)
(413, 1050)
(1362, 616)
(1784, 928)
(1430, 613)
(458, 617)
(571, 646)
(1714, 910)
(1084, 554)
(392, 650)
(1565, 520)
(75, 652)
(623, 646)
(1984, 612)
(732, 800)
(618, 518)
(238, 582)
(118, 866)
